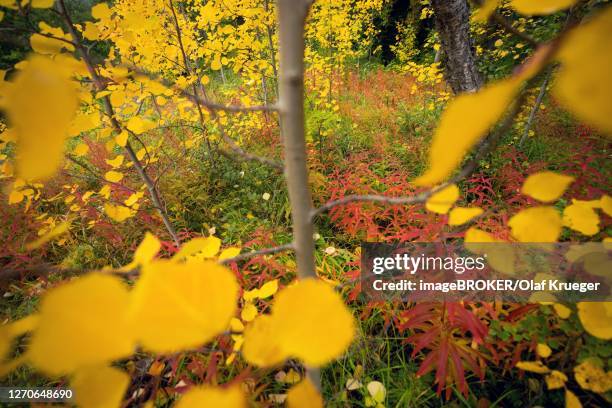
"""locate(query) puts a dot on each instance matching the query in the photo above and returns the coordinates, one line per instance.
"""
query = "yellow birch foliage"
(309, 321)
(42, 90)
(465, 120)
(208, 396)
(584, 84)
(180, 306)
(83, 322)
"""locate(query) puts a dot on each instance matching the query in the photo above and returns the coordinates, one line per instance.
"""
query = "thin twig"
(211, 106)
(7, 274)
(536, 106)
(265, 251)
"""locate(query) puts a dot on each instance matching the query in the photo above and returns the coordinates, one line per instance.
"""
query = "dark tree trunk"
(452, 18)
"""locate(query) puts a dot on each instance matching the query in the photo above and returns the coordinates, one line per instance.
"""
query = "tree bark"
(452, 19)
(291, 18)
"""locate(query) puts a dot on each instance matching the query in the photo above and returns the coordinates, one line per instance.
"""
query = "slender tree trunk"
(452, 18)
(291, 17)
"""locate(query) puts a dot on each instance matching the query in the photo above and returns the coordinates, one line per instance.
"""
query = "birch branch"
(99, 84)
(536, 106)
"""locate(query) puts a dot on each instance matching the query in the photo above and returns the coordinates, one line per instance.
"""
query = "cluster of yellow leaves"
(309, 321)
(41, 90)
(588, 374)
(176, 304)
(443, 200)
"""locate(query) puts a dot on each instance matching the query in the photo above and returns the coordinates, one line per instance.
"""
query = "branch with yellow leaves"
(11, 274)
(213, 107)
(99, 84)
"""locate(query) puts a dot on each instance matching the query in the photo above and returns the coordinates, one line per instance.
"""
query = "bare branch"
(210, 106)
(230, 108)
(252, 254)
(7, 275)
(536, 106)
(505, 24)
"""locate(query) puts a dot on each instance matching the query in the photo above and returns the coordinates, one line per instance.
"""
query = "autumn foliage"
(147, 238)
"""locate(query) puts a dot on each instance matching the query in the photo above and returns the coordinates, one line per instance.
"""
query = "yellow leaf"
(476, 235)
(121, 138)
(461, 215)
(606, 204)
(42, 3)
(23, 325)
(228, 253)
(377, 391)
(99, 387)
(554, 380)
(113, 176)
(146, 251)
(133, 198)
(84, 122)
(91, 31)
(215, 65)
(81, 150)
(206, 247)
(543, 350)
(208, 396)
(292, 377)
(118, 213)
(583, 83)
(268, 289)
(101, 11)
(180, 306)
(236, 325)
(581, 217)
(312, 321)
(249, 312)
(500, 256)
(138, 125)
(82, 323)
(15, 197)
(533, 366)
(562, 311)
(441, 201)
(54, 233)
(42, 90)
(596, 318)
(571, 400)
(465, 120)
(540, 7)
(536, 224)
(591, 377)
(546, 186)
(304, 395)
(116, 162)
(45, 45)
(485, 11)
(261, 346)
